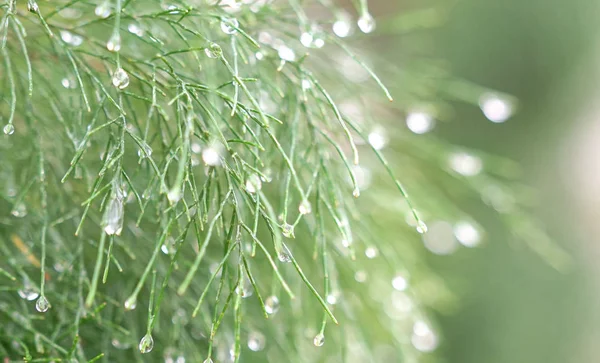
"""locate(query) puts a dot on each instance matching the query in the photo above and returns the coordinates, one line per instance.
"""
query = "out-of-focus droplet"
(42, 305)
(286, 53)
(70, 38)
(305, 207)
(8, 129)
(103, 10)
(253, 183)
(168, 248)
(467, 234)
(284, 257)
(213, 50)
(271, 304)
(208, 360)
(319, 340)
(287, 230)
(332, 298)
(146, 344)
(371, 252)
(423, 338)
(366, 23)
(465, 164)
(399, 283)
(211, 156)
(440, 238)
(114, 42)
(119, 344)
(174, 195)
(28, 293)
(256, 341)
(136, 29)
(120, 79)
(495, 107)
(19, 210)
(360, 276)
(130, 303)
(419, 122)
(378, 139)
(229, 26)
(342, 27)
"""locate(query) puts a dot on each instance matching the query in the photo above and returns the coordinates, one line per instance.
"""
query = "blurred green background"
(514, 307)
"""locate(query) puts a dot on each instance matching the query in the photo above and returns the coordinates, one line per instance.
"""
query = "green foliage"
(181, 181)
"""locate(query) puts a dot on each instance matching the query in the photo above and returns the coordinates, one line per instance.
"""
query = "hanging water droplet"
(356, 192)
(32, 6)
(306, 39)
(146, 344)
(208, 360)
(256, 341)
(440, 238)
(70, 38)
(421, 227)
(103, 10)
(68, 82)
(145, 151)
(284, 257)
(319, 340)
(114, 42)
(213, 50)
(399, 283)
(113, 215)
(120, 79)
(42, 305)
(366, 23)
(253, 183)
(19, 210)
(271, 304)
(134, 28)
(287, 230)
(229, 26)
(130, 303)
(305, 207)
(174, 195)
(9, 129)
(28, 293)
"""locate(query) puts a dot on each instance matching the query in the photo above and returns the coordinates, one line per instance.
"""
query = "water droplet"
(19, 210)
(42, 305)
(371, 252)
(271, 304)
(114, 42)
(9, 129)
(174, 195)
(113, 215)
(28, 293)
(119, 344)
(496, 108)
(319, 340)
(208, 360)
(213, 50)
(332, 298)
(286, 53)
(70, 38)
(356, 192)
(69, 83)
(168, 248)
(229, 26)
(287, 230)
(211, 156)
(256, 341)
(130, 303)
(423, 338)
(360, 276)
(305, 207)
(467, 234)
(366, 23)
(399, 283)
(378, 139)
(421, 227)
(419, 122)
(146, 344)
(440, 238)
(284, 257)
(465, 164)
(32, 6)
(103, 10)
(253, 183)
(145, 151)
(306, 39)
(134, 28)
(342, 27)
(120, 79)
